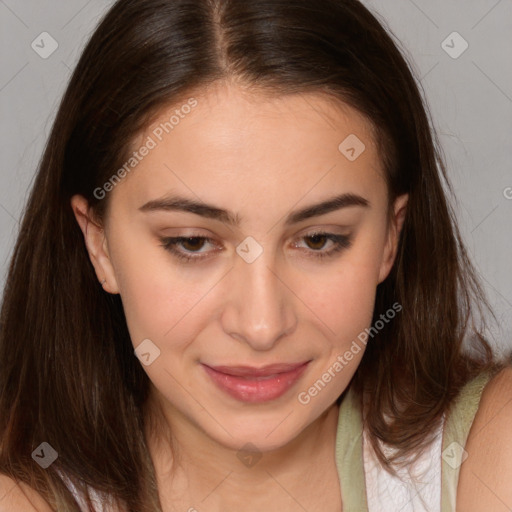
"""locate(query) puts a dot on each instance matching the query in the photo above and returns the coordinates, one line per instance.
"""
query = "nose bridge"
(260, 309)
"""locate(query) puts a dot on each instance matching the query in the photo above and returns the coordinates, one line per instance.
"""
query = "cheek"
(343, 300)
(158, 296)
(347, 288)
(343, 296)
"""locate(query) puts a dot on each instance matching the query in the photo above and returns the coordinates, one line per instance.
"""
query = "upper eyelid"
(180, 238)
(212, 239)
(309, 232)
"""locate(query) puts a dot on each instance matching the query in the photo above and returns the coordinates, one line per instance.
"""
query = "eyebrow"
(183, 204)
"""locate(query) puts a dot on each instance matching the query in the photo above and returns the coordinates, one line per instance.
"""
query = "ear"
(393, 235)
(96, 243)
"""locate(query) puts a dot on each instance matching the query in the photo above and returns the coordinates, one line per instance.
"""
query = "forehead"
(229, 142)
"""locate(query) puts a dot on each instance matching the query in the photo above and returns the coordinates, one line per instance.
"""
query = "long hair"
(68, 374)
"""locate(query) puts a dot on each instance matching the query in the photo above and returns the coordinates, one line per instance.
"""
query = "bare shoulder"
(19, 497)
(485, 476)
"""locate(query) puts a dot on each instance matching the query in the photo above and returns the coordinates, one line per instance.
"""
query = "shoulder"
(19, 497)
(485, 475)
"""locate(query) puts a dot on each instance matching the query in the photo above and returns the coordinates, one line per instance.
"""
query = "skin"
(260, 158)
(485, 476)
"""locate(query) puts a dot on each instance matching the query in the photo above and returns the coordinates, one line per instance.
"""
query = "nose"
(260, 307)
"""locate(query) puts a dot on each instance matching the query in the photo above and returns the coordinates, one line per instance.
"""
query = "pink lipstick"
(256, 385)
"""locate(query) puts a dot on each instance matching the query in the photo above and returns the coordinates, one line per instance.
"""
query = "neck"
(193, 470)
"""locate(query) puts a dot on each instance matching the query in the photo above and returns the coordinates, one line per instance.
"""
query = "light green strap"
(349, 455)
(456, 430)
(349, 446)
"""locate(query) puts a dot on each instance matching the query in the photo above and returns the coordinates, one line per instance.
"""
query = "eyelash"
(341, 242)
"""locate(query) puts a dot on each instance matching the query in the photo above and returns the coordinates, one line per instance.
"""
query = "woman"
(285, 315)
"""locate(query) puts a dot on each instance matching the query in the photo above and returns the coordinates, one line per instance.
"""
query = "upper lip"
(250, 371)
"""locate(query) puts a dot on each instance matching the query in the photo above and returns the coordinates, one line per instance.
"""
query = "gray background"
(470, 98)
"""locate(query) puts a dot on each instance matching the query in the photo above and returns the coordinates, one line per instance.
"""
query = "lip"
(256, 385)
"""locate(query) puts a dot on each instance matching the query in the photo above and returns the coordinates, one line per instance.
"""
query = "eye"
(191, 245)
(318, 241)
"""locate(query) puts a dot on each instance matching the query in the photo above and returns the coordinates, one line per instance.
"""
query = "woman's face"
(246, 177)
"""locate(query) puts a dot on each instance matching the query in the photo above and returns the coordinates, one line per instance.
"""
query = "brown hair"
(68, 375)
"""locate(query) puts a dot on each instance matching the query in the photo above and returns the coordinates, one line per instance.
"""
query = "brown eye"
(187, 248)
(318, 241)
(315, 242)
(193, 243)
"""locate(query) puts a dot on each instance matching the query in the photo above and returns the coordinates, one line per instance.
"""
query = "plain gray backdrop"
(460, 49)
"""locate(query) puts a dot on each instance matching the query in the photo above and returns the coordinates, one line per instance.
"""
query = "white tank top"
(416, 489)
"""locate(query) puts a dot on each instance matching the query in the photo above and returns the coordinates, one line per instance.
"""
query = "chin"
(266, 431)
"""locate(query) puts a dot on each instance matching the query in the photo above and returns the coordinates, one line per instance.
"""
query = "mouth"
(256, 385)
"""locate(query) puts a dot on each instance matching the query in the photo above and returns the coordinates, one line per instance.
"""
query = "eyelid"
(341, 242)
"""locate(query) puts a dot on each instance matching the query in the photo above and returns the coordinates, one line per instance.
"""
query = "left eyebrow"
(330, 205)
(178, 203)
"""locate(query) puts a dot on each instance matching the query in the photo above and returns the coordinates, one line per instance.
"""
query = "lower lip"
(256, 390)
